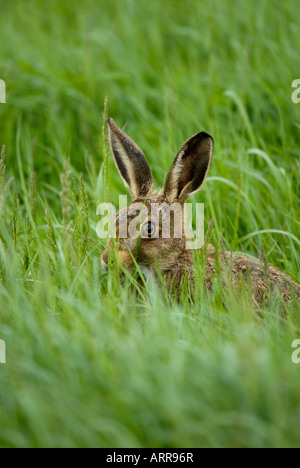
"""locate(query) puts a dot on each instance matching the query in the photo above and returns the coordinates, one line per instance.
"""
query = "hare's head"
(151, 228)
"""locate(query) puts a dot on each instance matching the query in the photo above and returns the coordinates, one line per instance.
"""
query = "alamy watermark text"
(152, 221)
(296, 353)
(2, 352)
(296, 94)
(2, 92)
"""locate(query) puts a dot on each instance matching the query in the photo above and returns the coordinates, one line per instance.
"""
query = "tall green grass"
(92, 360)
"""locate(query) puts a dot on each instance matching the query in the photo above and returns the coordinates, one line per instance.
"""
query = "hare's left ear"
(189, 169)
(130, 161)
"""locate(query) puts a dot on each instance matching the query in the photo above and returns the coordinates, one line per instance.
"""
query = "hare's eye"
(148, 229)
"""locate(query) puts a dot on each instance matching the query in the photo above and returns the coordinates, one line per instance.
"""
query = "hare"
(175, 261)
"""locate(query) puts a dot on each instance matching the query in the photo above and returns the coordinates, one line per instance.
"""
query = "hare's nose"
(104, 260)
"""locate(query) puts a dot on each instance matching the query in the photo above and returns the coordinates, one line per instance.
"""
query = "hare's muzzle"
(104, 260)
(124, 258)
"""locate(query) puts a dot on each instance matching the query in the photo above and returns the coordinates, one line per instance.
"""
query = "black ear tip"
(110, 121)
(204, 135)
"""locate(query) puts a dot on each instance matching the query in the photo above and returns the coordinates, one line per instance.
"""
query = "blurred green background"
(95, 362)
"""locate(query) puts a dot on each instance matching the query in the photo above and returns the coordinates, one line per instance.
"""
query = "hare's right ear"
(189, 169)
(130, 161)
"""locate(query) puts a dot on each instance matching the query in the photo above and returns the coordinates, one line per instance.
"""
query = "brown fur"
(186, 176)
